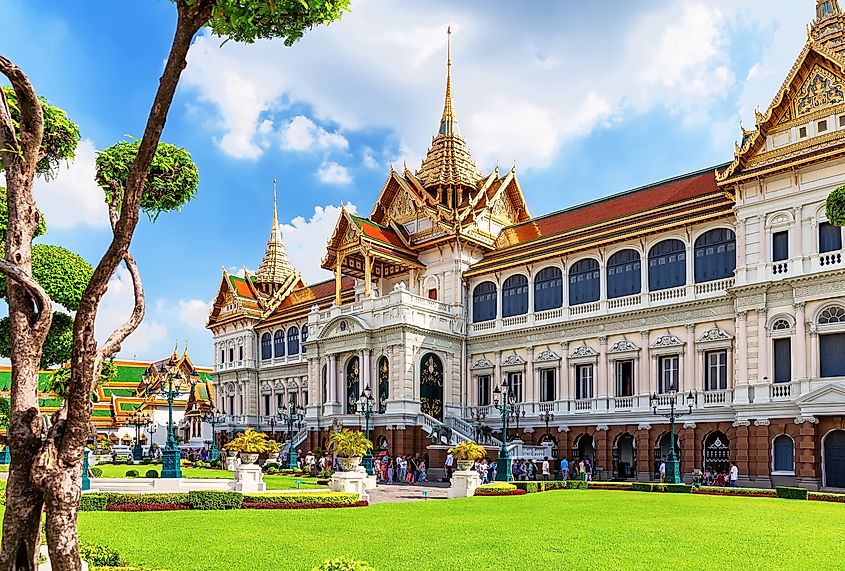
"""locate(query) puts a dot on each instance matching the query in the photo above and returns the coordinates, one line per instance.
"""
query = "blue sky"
(587, 99)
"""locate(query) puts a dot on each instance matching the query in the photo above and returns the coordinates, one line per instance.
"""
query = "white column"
(763, 240)
(531, 394)
(814, 352)
(800, 343)
(740, 251)
(602, 388)
(762, 346)
(690, 279)
(645, 364)
(563, 382)
(497, 373)
(365, 367)
(798, 242)
(730, 371)
(331, 379)
(741, 348)
(690, 381)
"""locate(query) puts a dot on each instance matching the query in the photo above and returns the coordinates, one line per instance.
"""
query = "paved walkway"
(385, 493)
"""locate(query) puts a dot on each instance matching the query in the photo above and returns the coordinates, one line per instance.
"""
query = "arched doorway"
(661, 452)
(353, 385)
(833, 450)
(431, 386)
(717, 452)
(583, 448)
(383, 384)
(624, 456)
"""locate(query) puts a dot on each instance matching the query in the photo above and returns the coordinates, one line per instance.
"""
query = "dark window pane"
(667, 267)
(830, 237)
(293, 341)
(783, 360)
(832, 355)
(623, 274)
(515, 296)
(279, 343)
(548, 289)
(484, 302)
(784, 454)
(715, 255)
(266, 346)
(780, 246)
(584, 282)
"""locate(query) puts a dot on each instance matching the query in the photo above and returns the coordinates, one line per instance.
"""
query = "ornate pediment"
(583, 351)
(821, 89)
(266, 387)
(513, 360)
(623, 346)
(341, 327)
(483, 364)
(715, 334)
(546, 355)
(666, 341)
(402, 209)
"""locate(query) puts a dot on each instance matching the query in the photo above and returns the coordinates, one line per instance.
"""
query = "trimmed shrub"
(296, 506)
(132, 473)
(503, 493)
(199, 464)
(344, 565)
(152, 474)
(115, 499)
(788, 493)
(678, 488)
(606, 485)
(97, 472)
(717, 491)
(528, 487)
(826, 497)
(93, 502)
(215, 500)
(99, 555)
(497, 487)
(322, 498)
(576, 485)
(146, 461)
(641, 486)
(146, 507)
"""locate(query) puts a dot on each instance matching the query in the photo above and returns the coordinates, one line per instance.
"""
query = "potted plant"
(349, 446)
(251, 444)
(466, 453)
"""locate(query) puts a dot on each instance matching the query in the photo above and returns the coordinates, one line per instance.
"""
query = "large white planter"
(464, 483)
(348, 464)
(465, 465)
(249, 478)
(249, 458)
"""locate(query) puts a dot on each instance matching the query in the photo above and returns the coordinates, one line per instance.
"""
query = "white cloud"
(194, 312)
(73, 197)
(523, 85)
(368, 158)
(305, 240)
(302, 134)
(331, 172)
(115, 309)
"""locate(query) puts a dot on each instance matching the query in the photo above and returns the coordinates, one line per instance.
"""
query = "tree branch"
(8, 141)
(43, 303)
(32, 118)
(112, 344)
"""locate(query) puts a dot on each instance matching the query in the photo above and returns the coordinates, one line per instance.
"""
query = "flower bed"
(310, 506)
(715, 491)
(144, 507)
(826, 497)
(499, 489)
(625, 486)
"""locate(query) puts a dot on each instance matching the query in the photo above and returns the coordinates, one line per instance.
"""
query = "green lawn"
(273, 482)
(568, 529)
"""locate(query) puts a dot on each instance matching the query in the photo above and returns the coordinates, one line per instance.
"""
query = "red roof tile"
(377, 232)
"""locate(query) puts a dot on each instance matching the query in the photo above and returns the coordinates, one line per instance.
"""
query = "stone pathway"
(385, 493)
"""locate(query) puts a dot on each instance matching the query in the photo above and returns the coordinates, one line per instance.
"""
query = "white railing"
(780, 268)
(628, 301)
(300, 437)
(829, 259)
(667, 294)
(515, 320)
(780, 391)
(717, 286)
(549, 314)
(467, 431)
(716, 397)
(665, 400)
(484, 326)
(623, 402)
(548, 406)
(585, 308)
(584, 404)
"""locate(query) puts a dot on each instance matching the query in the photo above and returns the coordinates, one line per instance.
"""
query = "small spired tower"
(828, 29)
(275, 270)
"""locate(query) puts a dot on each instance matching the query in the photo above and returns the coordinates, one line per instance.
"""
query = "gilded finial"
(447, 122)
(176, 348)
(185, 352)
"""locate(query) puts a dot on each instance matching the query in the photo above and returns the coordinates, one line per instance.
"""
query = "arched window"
(623, 274)
(783, 454)
(715, 255)
(293, 341)
(324, 376)
(584, 282)
(781, 325)
(515, 296)
(304, 337)
(832, 341)
(431, 386)
(667, 265)
(834, 314)
(279, 343)
(353, 385)
(548, 289)
(484, 302)
(266, 346)
(830, 237)
(383, 372)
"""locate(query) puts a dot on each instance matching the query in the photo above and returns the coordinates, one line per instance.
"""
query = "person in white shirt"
(734, 475)
(450, 462)
(662, 471)
(545, 468)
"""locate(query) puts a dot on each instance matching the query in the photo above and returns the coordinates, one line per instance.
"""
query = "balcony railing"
(622, 403)
(584, 405)
(667, 294)
(780, 391)
(719, 397)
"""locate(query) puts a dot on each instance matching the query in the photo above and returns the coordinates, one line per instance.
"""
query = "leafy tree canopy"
(5, 410)
(250, 20)
(59, 378)
(63, 274)
(61, 135)
(57, 347)
(172, 181)
(4, 218)
(836, 206)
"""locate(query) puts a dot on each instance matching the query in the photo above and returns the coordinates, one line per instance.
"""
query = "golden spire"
(825, 8)
(828, 29)
(275, 268)
(448, 123)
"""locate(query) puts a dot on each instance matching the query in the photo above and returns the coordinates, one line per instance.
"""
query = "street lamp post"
(673, 473)
(292, 417)
(478, 416)
(505, 402)
(365, 409)
(170, 463)
(517, 414)
(211, 417)
(137, 420)
(271, 420)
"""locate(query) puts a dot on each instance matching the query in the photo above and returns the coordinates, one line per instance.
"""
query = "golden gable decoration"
(822, 89)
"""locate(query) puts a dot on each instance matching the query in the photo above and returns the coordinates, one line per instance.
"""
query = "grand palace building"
(726, 284)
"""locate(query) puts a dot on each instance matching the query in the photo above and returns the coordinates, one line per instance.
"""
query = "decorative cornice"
(623, 346)
(546, 355)
(513, 360)
(714, 334)
(483, 363)
(563, 428)
(690, 425)
(584, 351)
(667, 341)
(603, 427)
(644, 426)
(803, 419)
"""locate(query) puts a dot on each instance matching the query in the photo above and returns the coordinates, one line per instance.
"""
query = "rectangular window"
(231, 354)
(832, 349)
(841, 121)
(267, 405)
(782, 349)
(483, 390)
(547, 384)
(821, 126)
(584, 382)
(240, 353)
(715, 370)
(830, 237)
(802, 132)
(667, 373)
(625, 378)
(515, 384)
(780, 246)
(222, 357)
(232, 405)
(292, 401)
(280, 401)
(305, 398)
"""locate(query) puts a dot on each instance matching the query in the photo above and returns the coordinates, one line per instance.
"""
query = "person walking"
(661, 470)
(734, 475)
(544, 467)
(564, 469)
(582, 470)
(449, 465)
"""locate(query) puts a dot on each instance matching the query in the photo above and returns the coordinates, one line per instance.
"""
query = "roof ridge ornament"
(275, 267)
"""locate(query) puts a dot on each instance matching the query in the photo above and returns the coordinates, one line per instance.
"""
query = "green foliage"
(99, 555)
(250, 20)
(719, 491)
(678, 488)
(40, 229)
(344, 565)
(309, 498)
(115, 499)
(215, 500)
(826, 497)
(468, 450)
(59, 379)
(788, 493)
(93, 502)
(577, 485)
(61, 135)
(57, 346)
(132, 473)
(152, 474)
(97, 472)
(2, 492)
(5, 410)
(171, 183)
(529, 487)
(498, 487)
(63, 274)
(836, 206)
(349, 443)
(252, 442)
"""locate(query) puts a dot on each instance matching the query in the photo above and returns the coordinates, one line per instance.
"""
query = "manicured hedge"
(99, 555)
(302, 499)
(152, 474)
(514, 492)
(604, 485)
(215, 500)
(93, 502)
(297, 506)
(717, 491)
(344, 565)
(528, 487)
(826, 497)
(132, 473)
(115, 499)
(497, 487)
(142, 507)
(96, 472)
(678, 488)
(788, 493)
